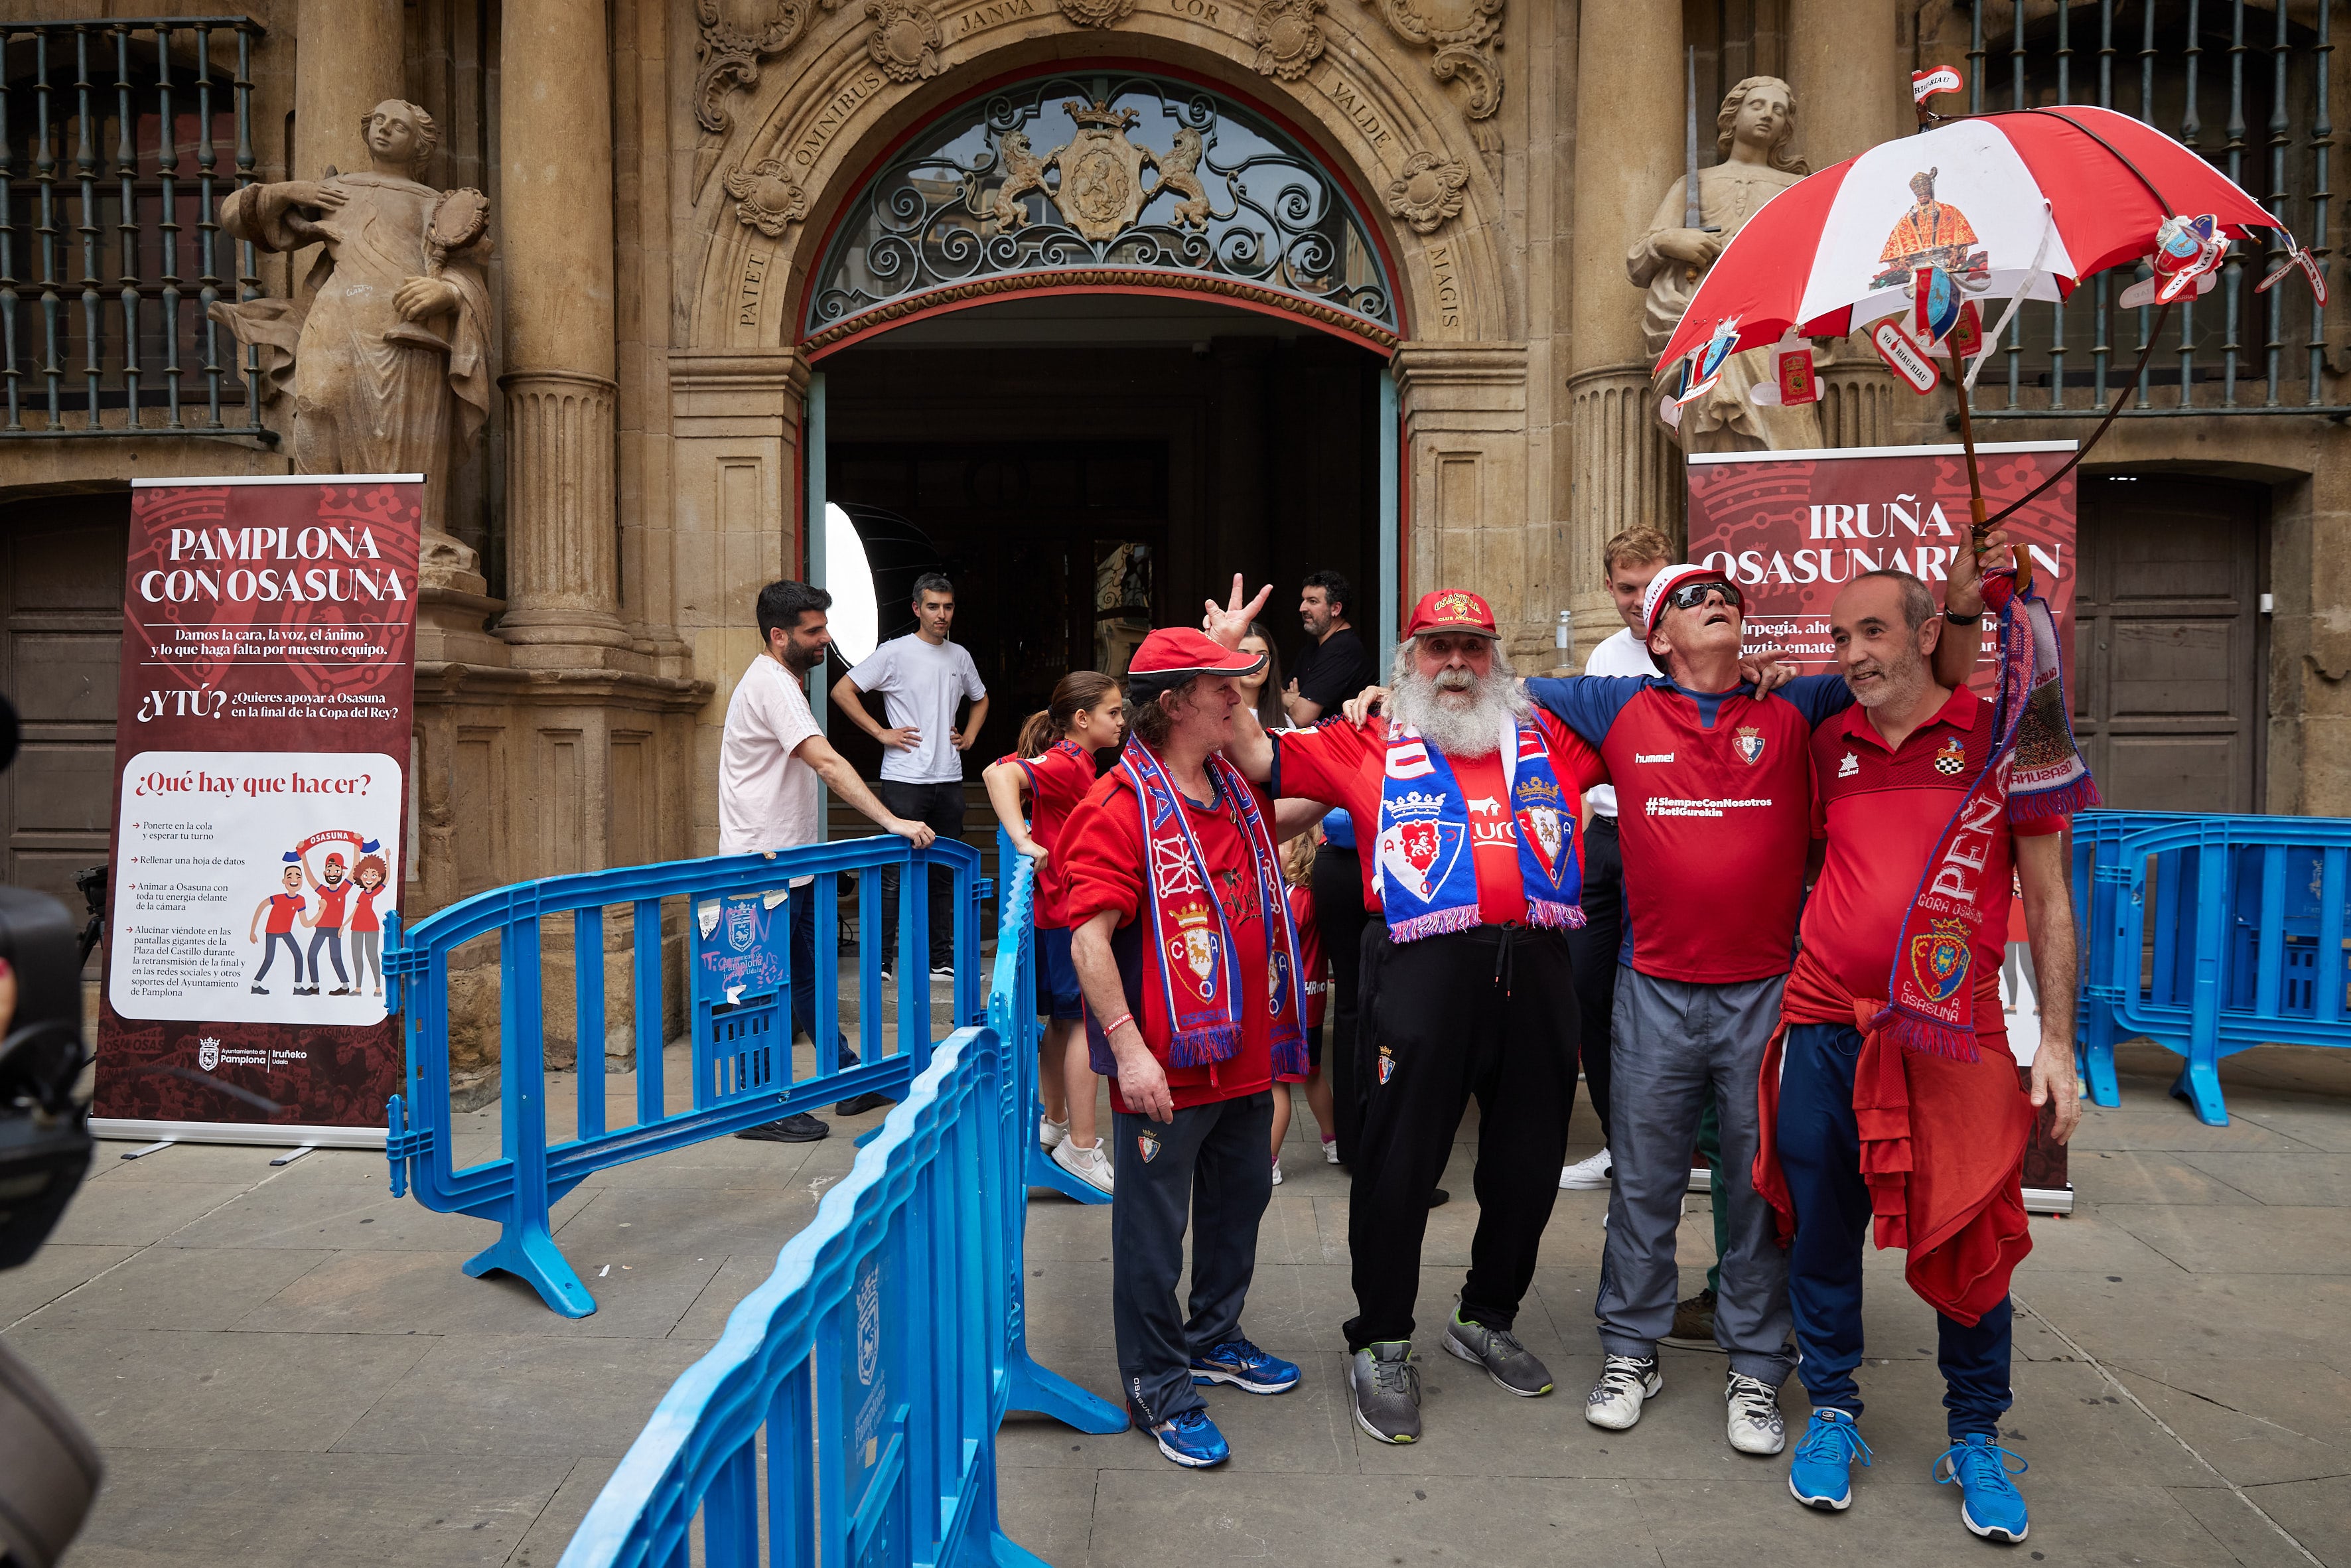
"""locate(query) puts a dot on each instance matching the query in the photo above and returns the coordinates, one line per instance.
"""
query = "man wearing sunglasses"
(1714, 811)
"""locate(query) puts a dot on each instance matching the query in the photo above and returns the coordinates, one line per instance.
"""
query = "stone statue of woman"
(389, 365)
(1757, 122)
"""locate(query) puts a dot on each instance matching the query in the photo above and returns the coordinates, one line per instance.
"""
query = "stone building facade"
(670, 182)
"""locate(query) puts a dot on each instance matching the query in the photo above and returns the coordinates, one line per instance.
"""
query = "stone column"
(350, 58)
(1628, 152)
(555, 231)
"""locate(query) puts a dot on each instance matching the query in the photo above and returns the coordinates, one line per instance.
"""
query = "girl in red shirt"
(1054, 764)
(1298, 870)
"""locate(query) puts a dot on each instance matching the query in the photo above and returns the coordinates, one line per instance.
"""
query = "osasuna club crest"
(1938, 959)
(1748, 745)
(1419, 854)
(1147, 1145)
(1544, 825)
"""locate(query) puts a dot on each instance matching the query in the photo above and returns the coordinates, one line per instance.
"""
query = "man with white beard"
(1476, 874)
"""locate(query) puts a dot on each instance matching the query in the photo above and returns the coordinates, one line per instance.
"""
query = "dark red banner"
(261, 753)
(1791, 529)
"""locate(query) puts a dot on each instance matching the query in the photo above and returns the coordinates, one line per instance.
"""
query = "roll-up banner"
(1792, 527)
(261, 761)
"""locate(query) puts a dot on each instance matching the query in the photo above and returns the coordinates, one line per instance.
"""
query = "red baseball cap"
(1173, 654)
(1452, 609)
(1653, 603)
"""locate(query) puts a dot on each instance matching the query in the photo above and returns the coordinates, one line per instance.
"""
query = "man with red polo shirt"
(1467, 987)
(1184, 948)
(1909, 1113)
(1713, 786)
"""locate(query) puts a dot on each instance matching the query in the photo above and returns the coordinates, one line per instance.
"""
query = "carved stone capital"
(905, 41)
(1427, 191)
(1289, 40)
(1096, 12)
(1461, 37)
(765, 197)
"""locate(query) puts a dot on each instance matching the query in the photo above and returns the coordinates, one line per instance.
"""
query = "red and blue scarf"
(2035, 771)
(1192, 998)
(1427, 870)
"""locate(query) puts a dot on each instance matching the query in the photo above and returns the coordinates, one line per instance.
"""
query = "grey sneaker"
(1510, 1364)
(1626, 1382)
(1386, 1388)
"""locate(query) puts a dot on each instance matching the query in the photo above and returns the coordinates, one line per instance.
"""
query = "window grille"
(119, 141)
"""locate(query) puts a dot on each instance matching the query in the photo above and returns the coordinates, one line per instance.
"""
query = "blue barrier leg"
(2199, 1083)
(2099, 1056)
(1044, 1172)
(1007, 1552)
(529, 1252)
(1048, 1393)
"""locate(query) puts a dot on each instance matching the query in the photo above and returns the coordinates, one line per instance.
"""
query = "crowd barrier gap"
(2209, 934)
(736, 928)
(848, 1413)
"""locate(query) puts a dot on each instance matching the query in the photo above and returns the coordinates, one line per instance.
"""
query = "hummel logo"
(1849, 767)
(1653, 756)
(1486, 805)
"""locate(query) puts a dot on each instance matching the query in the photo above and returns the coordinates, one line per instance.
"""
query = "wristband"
(1975, 619)
(1112, 1027)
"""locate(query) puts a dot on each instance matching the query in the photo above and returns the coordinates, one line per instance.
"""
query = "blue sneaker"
(1191, 1439)
(1822, 1476)
(1243, 1365)
(1989, 1504)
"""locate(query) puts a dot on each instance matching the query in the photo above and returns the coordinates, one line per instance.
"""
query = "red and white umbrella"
(2016, 206)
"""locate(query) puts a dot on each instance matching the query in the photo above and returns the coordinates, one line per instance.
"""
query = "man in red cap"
(1185, 949)
(1714, 795)
(1467, 989)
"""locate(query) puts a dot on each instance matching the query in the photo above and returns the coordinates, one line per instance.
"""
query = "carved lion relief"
(906, 39)
(1461, 37)
(1288, 40)
(1428, 191)
(1097, 13)
(765, 197)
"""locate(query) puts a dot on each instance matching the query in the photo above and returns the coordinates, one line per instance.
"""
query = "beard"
(1459, 714)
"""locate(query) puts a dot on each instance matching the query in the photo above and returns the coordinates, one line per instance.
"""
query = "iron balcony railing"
(118, 139)
(2247, 86)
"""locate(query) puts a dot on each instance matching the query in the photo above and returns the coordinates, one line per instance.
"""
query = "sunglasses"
(1690, 595)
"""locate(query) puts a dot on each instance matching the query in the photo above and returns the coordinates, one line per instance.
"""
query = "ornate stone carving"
(388, 362)
(765, 197)
(1179, 172)
(1288, 40)
(1461, 37)
(1102, 172)
(906, 39)
(1023, 172)
(1097, 13)
(727, 56)
(1428, 191)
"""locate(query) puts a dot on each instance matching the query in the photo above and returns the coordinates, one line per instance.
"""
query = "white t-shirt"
(921, 684)
(766, 796)
(1623, 654)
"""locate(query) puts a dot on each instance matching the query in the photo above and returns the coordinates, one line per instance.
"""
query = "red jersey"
(283, 908)
(1059, 777)
(1317, 982)
(363, 908)
(331, 902)
(1103, 855)
(1343, 766)
(1883, 812)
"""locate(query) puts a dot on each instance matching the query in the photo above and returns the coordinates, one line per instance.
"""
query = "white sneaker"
(1587, 1176)
(1755, 1427)
(1088, 1166)
(1051, 1133)
(1277, 1173)
(1626, 1381)
(1329, 1151)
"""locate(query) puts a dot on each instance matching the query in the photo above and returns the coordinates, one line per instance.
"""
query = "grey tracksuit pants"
(1677, 1041)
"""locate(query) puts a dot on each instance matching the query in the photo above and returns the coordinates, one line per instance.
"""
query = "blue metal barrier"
(856, 1394)
(2209, 934)
(1042, 1171)
(736, 926)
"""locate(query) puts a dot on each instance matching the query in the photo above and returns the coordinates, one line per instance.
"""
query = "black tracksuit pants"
(1471, 1012)
(1340, 919)
(1595, 948)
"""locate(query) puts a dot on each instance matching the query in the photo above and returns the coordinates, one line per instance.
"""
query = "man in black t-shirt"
(1335, 665)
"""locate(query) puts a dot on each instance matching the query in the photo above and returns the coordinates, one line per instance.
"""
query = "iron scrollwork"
(1133, 175)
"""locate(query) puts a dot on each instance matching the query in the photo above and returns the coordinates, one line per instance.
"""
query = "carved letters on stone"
(1288, 40)
(765, 197)
(906, 39)
(1428, 191)
(1097, 13)
(1461, 36)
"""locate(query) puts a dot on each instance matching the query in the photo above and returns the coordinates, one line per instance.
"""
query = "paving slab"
(2254, 1420)
(2317, 1513)
(2267, 1239)
(50, 1275)
(428, 1294)
(137, 1214)
(515, 1394)
(158, 1288)
(2148, 1176)
(2301, 1178)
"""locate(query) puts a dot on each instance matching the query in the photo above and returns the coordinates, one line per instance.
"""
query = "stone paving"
(285, 1367)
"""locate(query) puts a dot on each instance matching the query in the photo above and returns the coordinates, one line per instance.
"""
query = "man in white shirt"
(769, 761)
(922, 679)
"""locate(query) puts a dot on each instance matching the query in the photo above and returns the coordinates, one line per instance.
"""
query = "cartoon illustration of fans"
(334, 890)
(366, 926)
(281, 908)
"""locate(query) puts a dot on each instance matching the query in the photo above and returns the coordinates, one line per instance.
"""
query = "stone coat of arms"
(1102, 172)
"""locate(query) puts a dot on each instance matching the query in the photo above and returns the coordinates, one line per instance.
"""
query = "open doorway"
(1086, 466)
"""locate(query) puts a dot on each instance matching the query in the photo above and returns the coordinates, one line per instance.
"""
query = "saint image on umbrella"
(1932, 234)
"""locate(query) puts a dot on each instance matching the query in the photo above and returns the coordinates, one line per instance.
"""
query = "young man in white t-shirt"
(922, 679)
(769, 762)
